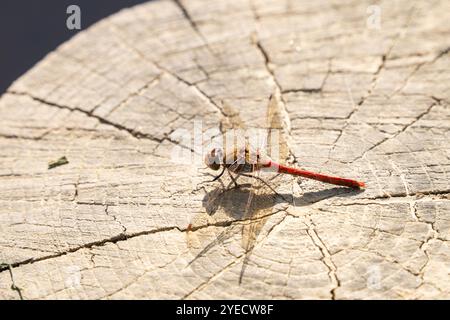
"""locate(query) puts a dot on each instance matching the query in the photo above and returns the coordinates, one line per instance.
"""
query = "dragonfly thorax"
(243, 159)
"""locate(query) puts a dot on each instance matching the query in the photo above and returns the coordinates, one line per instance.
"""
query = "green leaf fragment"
(61, 161)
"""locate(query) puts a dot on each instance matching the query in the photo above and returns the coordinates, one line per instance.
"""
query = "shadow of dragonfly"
(231, 201)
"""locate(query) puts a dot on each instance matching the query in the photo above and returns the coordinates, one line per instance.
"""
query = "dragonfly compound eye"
(213, 158)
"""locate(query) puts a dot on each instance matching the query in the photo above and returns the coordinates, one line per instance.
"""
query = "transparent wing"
(263, 197)
(252, 206)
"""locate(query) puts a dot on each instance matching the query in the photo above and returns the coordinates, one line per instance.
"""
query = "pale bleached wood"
(352, 101)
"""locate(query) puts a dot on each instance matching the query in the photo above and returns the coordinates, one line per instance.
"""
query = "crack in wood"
(134, 133)
(14, 287)
(326, 257)
(420, 116)
(193, 24)
(419, 66)
(193, 86)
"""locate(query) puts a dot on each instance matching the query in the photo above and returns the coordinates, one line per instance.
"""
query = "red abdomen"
(317, 176)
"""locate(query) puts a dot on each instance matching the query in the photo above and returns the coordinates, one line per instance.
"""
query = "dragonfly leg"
(263, 181)
(219, 175)
(234, 179)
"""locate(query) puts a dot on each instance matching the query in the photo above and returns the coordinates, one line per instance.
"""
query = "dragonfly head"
(213, 158)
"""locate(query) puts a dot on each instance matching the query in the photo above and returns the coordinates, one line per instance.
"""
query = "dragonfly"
(253, 206)
(247, 160)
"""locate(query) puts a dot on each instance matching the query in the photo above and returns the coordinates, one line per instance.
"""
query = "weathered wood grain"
(371, 104)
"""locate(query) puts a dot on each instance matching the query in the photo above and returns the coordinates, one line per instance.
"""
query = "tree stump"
(362, 91)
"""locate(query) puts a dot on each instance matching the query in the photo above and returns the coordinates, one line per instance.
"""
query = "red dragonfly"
(256, 205)
(246, 160)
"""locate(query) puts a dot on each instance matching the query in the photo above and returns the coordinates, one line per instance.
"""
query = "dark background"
(29, 29)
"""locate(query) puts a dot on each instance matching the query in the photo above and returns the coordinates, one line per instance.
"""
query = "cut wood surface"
(351, 99)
